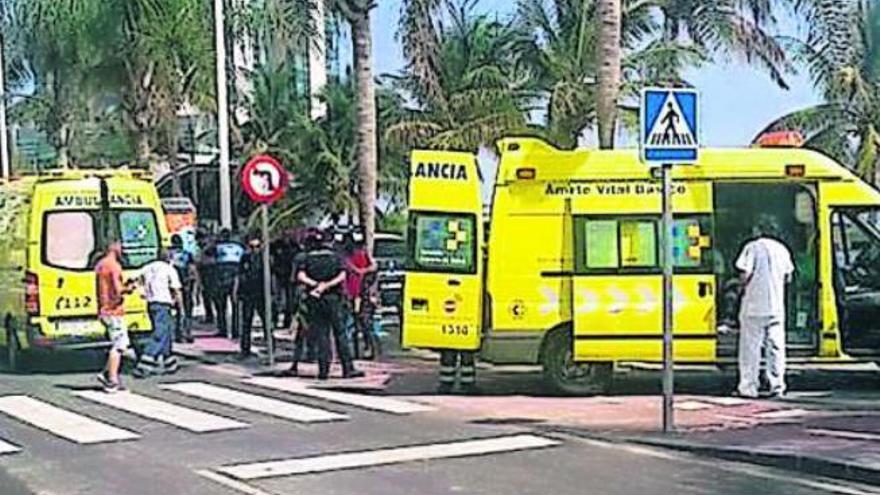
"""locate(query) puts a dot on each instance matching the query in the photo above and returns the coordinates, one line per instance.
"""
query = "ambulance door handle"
(454, 282)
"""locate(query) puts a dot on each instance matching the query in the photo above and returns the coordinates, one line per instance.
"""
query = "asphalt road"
(426, 452)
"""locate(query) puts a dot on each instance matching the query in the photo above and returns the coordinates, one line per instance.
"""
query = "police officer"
(249, 290)
(322, 274)
(227, 265)
(183, 262)
(454, 362)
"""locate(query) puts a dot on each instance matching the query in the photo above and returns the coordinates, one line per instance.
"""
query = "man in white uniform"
(162, 290)
(766, 267)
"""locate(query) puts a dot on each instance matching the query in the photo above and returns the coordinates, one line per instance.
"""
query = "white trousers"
(756, 332)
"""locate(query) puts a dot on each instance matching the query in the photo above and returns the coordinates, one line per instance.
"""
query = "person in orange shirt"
(111, 294)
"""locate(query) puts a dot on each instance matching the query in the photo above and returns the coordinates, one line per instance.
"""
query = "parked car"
(389, 250)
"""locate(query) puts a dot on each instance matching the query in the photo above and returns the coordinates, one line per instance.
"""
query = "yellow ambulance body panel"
(60, 223)
(573, 253)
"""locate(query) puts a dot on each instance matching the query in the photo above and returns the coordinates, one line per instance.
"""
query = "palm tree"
(588, 79)
(465, 86)
(609, 52)
(166, 61)
(358, 15)
(56, 48)
(841, 51)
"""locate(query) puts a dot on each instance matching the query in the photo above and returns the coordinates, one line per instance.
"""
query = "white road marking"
(850, 435)
(381, 457)
(692, 405)
(782, 414)
(182, 417)
(8, 448)
(231, 483)
(61, 422)
(725, 401)
(256, 403)
(372, 402)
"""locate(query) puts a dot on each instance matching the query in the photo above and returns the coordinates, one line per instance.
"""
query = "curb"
(790, 461)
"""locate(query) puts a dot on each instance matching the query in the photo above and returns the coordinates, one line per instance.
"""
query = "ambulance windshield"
(443, 242)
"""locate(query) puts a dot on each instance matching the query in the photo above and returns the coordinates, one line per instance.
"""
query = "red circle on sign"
(264, 179)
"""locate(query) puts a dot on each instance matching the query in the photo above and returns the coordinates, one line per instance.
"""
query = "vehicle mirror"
(803, 208)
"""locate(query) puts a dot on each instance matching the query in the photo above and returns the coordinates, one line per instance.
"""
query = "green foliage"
(840, 50)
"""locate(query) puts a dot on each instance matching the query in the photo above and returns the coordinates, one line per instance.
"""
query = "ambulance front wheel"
(564, 375)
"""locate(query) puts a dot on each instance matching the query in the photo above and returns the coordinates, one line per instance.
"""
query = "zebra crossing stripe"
(165, 412)
(61, 422)
(256, 403)
(381, 457)
(8, 448)
(372, 402)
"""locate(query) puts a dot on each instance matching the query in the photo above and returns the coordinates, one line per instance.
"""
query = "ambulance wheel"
(566, 377)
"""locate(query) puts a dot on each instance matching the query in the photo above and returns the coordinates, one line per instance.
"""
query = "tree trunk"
(173, 162)
(143, 148)
(608, 56)
(367, 155)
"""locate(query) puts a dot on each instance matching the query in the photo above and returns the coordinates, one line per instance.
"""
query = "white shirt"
(767, 263)
(159, 279)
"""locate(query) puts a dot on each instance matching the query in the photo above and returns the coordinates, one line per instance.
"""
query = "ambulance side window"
(616, 244)
(692, 243)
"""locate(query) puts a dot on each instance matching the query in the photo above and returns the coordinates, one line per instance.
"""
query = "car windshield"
(390, 249)
(72, 238)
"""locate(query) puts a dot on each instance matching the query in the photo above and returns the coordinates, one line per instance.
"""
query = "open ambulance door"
(443, 291)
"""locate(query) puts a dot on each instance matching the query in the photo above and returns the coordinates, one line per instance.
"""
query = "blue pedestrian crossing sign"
(669, 126)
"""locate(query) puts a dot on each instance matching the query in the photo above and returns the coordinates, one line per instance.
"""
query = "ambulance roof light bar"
(780, 139)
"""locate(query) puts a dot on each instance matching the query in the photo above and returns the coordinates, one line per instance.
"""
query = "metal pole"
(222, 117)
(268, 321)
(4, 137)
(668, 378)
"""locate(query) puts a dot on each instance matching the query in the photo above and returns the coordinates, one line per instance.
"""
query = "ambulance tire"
(567, 378)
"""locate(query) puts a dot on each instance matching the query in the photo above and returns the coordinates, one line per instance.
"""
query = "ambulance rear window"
(443, 242)
(69, 239)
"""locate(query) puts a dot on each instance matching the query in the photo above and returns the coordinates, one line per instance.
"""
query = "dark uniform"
(250, 292)
(182, 261)
(324, 314)
(451, 362)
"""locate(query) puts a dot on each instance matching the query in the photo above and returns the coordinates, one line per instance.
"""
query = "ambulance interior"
(856, 243)
(738, 209)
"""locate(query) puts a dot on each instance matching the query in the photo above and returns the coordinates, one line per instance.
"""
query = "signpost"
(669, 136)
(264, 180)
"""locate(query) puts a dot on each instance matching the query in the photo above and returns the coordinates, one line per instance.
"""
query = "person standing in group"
(207, 281)
(358, 263)
(163, 291)
(322, 274)
(183, 262)
(227, 258)
(249, 290)
(766, 268)
(111, 311)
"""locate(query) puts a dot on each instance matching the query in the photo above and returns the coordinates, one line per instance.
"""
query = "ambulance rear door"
(443, 290)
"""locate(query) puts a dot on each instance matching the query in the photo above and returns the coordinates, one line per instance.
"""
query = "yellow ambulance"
(569, 274)
(53, 229)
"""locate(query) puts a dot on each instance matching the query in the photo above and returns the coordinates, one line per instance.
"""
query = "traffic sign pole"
(669, 133)
(268, 321)
(265, 181)
(668, 260)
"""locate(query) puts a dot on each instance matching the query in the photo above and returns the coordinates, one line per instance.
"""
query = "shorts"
(116, 332)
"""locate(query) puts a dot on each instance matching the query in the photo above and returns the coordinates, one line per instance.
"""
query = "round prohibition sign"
(263, 179)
